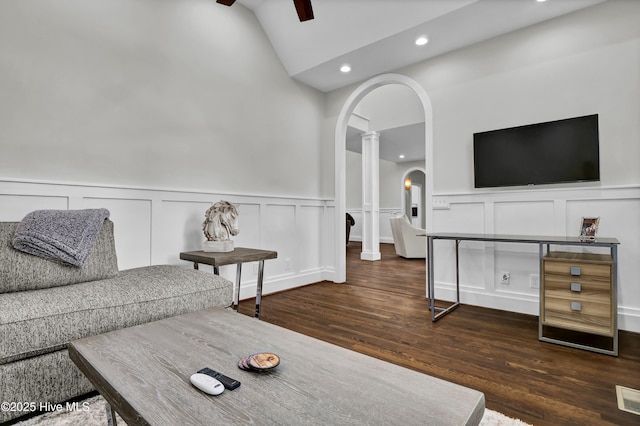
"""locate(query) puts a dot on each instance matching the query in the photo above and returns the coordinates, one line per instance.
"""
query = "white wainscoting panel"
(534, 212)
(180, 229)
(461, 217)
(131, 227)
(152, 226)
(278, 221)
(309, 223)
(328, 235)
(523, 218)
(15, 207)
(249, 225)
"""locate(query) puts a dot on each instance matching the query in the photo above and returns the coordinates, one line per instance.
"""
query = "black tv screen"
(554, 152)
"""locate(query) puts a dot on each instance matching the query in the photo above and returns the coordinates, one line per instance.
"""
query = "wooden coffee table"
(143, 373)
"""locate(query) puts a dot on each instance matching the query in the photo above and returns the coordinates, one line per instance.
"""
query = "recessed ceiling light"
(421, 41)
(345, 68)
(541, 1)
(401, 156)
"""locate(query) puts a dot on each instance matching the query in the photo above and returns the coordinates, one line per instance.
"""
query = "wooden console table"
(238, 256)
(542, 241)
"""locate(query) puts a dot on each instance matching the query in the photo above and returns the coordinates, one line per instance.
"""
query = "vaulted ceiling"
(377, 36)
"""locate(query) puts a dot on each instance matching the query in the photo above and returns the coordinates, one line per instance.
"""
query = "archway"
(404, 197)
(340, 254)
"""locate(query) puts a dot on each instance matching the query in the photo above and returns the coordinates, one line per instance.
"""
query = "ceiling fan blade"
(226, 2)
(303, 7)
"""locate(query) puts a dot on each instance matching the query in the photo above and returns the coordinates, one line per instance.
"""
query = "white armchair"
(406, 240)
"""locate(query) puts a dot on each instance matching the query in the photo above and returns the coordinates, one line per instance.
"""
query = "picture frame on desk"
(589, 228)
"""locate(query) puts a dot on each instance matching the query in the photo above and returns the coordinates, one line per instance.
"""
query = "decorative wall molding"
(152, 226)
(534, 211)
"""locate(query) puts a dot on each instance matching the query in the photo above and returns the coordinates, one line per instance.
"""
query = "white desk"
(542, 241)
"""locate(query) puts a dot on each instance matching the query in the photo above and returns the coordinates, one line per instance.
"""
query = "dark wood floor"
(382, 311)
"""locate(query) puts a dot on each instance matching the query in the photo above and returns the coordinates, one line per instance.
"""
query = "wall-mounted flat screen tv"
(545, 153)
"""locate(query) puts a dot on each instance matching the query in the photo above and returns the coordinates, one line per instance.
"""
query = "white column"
(370, 196)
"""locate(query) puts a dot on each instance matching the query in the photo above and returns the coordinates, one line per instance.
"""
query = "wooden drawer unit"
(577, 292)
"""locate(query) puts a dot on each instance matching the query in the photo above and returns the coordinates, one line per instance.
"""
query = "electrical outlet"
(504, 278)
(534, 281)
(287, 264)
(255, 269)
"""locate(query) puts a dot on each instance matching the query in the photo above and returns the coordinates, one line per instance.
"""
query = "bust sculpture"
(221, 222)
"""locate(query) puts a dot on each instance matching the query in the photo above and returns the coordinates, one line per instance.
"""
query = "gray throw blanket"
(65, 236)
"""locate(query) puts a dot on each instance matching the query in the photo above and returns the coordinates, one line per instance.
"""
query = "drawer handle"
(576, 287)
(575, 271)
(576, 306)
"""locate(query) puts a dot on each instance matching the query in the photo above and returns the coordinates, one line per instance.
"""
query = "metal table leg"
(541, 289)
(443, 311)
(111, 414)
(430, 275)
(236, 299)
(457, 273)
(614, 256)
(259, 287)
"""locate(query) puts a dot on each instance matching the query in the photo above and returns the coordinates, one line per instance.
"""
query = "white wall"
(155, 109)
(178, 94)
(582, 63)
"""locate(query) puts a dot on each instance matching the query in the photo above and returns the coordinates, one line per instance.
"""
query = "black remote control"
(228, 382)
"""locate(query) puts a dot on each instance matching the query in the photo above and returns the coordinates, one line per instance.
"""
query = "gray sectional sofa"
(44, 305)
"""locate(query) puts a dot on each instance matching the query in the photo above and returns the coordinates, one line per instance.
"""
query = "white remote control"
(207, 384)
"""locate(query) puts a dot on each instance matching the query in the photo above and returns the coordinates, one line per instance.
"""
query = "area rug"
(92, 412)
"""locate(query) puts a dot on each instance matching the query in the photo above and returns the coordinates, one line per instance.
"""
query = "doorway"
(414, 196)
(340, 167)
